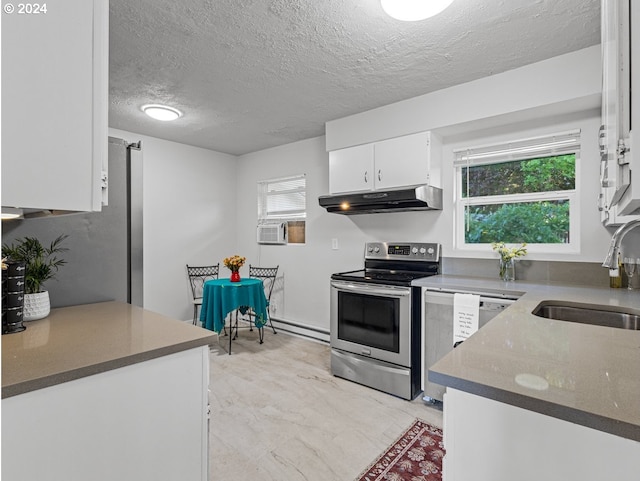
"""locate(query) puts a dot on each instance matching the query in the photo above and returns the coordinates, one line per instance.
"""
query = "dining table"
(221, 297)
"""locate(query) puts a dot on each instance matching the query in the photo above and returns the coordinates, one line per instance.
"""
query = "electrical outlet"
(334, 244)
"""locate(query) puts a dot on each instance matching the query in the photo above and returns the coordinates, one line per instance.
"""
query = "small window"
(523, 191)
(285, 199)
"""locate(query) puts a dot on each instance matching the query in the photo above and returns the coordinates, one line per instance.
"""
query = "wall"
(570, 82)
(594, 237)
(97, 243)
(302, 294)
(188, 192)
(188, 217)
(307, 268)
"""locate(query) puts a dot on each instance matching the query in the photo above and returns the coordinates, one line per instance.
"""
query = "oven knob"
(376, 249)
(370, 249)
(430, 251)
(422, 250)
(414, 250)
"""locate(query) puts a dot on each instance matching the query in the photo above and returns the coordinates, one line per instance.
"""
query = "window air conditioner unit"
(275, 233)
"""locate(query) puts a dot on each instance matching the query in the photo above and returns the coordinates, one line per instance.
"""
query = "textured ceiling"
(253, 74)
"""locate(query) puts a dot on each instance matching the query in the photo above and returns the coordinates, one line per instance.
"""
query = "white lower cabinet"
(145, 421)
(486, 440)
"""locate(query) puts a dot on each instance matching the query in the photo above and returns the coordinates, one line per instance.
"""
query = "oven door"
(372, 320)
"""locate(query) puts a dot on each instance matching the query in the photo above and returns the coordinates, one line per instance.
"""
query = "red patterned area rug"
(415, 456)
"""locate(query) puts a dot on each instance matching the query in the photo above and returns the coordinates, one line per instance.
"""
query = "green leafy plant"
(42, 263)
(545, 222)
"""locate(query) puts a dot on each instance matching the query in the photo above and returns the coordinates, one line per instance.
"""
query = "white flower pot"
(36, 306)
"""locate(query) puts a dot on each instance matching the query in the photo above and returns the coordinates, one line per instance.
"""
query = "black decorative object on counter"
(13, 274)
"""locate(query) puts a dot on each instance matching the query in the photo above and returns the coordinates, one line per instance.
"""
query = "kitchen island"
(105, 391)
(525, 390)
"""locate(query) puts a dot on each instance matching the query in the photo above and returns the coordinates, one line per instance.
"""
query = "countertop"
(593, 372)
(79, 341)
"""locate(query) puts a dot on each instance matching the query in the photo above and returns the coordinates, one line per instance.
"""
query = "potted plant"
(42, 264)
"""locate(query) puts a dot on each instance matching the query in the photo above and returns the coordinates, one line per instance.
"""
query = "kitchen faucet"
(611, 261)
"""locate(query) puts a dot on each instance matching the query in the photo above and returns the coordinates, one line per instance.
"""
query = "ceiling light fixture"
(413, 10)
(161, 112)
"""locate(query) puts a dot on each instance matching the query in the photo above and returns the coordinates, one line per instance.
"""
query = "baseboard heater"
(311, 332)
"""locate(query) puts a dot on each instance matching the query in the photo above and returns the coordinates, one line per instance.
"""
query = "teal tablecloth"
(221, 296)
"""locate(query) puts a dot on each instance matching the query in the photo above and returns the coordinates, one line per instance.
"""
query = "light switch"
(334, 244)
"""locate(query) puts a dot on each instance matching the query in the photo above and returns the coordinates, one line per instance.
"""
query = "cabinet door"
(610, 214)
(630, 202)
(478, 432)
(54, 105)
(402, 161)
(351, 169)
(145, 421)
(620, 196)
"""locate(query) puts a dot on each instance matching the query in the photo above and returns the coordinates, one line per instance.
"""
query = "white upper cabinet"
(403, 161)
(55, 105)
(351, 169)
(619, 197)
(397, 162)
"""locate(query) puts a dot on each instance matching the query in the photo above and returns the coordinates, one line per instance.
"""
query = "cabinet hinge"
(623, 148)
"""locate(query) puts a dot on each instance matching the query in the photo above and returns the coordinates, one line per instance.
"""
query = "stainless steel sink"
(622, 318)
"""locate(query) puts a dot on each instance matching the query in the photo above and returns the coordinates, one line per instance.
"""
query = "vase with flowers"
(508, 256)
(234, 263)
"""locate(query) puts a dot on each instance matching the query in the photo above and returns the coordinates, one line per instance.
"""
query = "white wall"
(189, 217)
(307, 268)
(570, 82)
(594, 238)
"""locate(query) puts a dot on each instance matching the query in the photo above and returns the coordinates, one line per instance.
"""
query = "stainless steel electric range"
(375, 317)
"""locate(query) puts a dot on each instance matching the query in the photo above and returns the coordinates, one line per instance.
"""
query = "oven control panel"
(419, 251)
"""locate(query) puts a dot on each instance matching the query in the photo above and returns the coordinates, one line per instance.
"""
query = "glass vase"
(235, 276)
(508, 269)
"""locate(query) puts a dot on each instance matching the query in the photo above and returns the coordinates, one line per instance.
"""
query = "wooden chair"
(198, 275)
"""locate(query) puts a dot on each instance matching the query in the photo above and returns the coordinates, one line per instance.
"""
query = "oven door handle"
(388, 291)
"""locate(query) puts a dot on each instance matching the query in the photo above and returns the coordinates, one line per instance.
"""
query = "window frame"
(524, 149)
(265, 217)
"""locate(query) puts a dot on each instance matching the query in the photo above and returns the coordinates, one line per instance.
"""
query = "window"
(522, 191)
(284, 199)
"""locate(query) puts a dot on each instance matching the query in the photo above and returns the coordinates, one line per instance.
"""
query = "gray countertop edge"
(90, 370)
(565, 413)
(589, 414)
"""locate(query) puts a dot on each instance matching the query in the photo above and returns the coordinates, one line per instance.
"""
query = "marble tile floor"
(278, 414)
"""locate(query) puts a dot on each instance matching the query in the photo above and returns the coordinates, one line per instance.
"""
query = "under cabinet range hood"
(415, 197)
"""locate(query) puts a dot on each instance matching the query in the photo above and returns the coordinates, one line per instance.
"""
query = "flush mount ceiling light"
(161, 112)
(413, 10)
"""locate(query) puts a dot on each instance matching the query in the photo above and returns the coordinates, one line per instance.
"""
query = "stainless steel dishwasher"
(438, 329)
